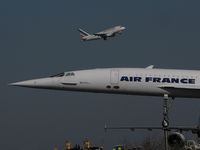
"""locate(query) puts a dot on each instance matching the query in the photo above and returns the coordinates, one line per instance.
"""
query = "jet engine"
(191, 145)
(176, 140)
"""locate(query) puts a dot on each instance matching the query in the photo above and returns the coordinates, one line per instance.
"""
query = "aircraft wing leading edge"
(177, 128)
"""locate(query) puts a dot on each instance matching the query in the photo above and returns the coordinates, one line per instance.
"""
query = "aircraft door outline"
(114, 77)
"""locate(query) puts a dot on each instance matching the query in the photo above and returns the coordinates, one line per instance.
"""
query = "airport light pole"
(165, 122)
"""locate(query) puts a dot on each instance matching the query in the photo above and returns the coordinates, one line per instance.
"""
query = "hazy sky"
(40, 38)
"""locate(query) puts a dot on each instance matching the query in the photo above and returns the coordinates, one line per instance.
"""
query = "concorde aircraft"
(134, 81)
(111, 32)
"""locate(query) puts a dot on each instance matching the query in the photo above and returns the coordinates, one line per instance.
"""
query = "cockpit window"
(70, 74)
(58, 75)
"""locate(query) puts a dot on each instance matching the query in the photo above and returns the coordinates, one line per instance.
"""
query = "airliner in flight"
(111, 32)
(135, 81)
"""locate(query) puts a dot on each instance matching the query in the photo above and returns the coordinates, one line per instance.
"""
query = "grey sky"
(40, 38)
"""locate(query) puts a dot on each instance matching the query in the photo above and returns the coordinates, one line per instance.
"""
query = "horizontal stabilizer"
(82, 32)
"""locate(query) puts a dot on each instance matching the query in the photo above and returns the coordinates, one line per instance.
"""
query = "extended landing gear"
(165, 122)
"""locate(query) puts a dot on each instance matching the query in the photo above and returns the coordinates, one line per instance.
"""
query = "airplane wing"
(103, 35)
(105, 32)
(133, 128)
(177, 128)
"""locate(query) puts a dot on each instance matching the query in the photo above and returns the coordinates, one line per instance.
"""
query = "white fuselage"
(135, 81)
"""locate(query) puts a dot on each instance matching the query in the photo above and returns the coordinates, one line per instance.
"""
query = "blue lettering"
(191, 81)
(156, 80)
(167, 80)
(148, 79)
(124, 78)
(174, 80)
(184, 80)
(137, 79)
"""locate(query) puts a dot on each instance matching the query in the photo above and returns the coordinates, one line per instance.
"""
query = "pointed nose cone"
(123, 28)
(28, 83)
(36, 83)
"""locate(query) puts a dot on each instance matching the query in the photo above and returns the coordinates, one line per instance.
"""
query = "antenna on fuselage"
(150, 67)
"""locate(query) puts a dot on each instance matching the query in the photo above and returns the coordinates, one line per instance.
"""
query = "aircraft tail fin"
(82, 32)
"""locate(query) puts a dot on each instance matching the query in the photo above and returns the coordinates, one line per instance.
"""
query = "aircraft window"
(67, 74)
(58, 75)
(70, 74)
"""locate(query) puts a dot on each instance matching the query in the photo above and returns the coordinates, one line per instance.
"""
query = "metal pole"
(165, 122)
(165, 136)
